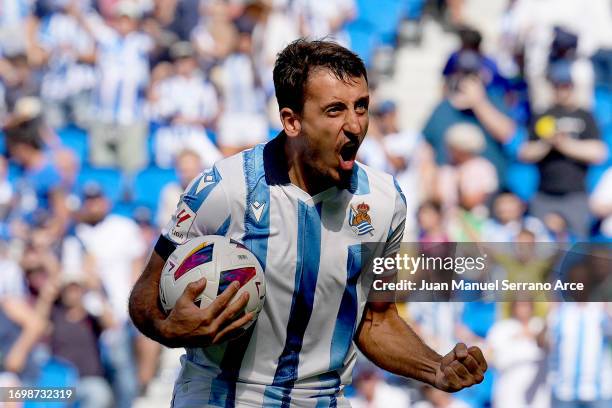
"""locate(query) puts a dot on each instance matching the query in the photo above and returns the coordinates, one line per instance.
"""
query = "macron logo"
(182, 217)
(257, 209)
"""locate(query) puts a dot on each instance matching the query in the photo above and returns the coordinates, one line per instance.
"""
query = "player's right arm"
(187, 325)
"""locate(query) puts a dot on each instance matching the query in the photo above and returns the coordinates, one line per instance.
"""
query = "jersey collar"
(275, 161)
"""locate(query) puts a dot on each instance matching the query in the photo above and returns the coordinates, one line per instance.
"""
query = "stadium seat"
(109, 179)
(75, 139)
(148, 184)
(2, 143)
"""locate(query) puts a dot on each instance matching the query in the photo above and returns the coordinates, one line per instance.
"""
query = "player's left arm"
(390, 343)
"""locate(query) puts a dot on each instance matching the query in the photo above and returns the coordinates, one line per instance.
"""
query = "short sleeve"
(203, 209)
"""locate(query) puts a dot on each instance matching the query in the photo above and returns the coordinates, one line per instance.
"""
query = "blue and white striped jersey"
(123, 73)
(300, 352)
(581, 358)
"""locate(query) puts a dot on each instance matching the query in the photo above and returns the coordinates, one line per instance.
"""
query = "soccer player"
(293, 202)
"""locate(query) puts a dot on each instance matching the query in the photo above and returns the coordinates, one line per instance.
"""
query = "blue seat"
(2, 143)
(110, 179)
(77, 140)
(148, 184)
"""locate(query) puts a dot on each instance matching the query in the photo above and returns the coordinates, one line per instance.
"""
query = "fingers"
(219, 304)
(458, 353)
(233, 328)
(232, 310)
(477, 354)
(461, 351)
(194, 289)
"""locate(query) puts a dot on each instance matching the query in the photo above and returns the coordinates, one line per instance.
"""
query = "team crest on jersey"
(360, 220)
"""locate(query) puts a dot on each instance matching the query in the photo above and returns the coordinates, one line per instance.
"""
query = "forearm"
(144, 305)
(500, 126)
(587, 151)
(18, 354)
(391, 344)
(534, 151)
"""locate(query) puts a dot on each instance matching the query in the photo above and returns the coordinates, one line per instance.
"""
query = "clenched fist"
(461, 368)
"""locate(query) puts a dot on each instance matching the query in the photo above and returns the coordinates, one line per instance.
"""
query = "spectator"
(78, 319)
(118, 134)
(374, 392)
(431, 223)
(20, 331)
(118, 250)
(401, 153)
(215, 35)
(185, 104)
(518, 359)
(68, 53)
(580, 356)
(325, 19)
(563, 141)
(243, 122)
(510, 218)
(38, 191)
(466, 100)
(438, 399)
(601, 203)
(467, 181)
(188, 166)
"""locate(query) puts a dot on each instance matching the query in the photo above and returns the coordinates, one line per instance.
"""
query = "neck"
(302, 175)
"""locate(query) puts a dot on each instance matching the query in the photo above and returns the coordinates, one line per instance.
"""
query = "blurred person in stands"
(215, 35)
(432, 228)
(318, 19)
(509, 218)
(15, 22)
(38, 189)
(438, 399)
(519, 359)
(563, 141)
(273, 30)
(600, 203)
(118, 250)
(185, 105)
(467, 101)
(467, 182)
(78, 316)
(401, 153)
(7, 201)
(68, 55)
(20, 331)
(243, 122)
(580, 356)
(18, 78)
(471, 40)
(188, 166)
(119, 131)
(374, 392)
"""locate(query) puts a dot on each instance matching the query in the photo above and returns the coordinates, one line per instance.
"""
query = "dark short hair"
(24, 133)
(297, 61)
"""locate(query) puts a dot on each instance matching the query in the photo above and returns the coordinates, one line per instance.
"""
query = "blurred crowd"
(110, 107)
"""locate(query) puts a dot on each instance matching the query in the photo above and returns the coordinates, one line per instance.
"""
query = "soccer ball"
(221, 261)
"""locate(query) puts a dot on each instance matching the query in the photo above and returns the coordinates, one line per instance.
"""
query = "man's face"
(333, 123)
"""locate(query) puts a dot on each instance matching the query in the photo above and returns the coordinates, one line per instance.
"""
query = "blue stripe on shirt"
(306, 274)
(223, 387)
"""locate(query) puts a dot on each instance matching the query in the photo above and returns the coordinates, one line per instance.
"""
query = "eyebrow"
(339, 103)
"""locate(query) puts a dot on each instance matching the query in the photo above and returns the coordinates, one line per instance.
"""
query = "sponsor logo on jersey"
(183, 221)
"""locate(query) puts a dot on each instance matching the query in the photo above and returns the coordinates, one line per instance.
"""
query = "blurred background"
(495, 116)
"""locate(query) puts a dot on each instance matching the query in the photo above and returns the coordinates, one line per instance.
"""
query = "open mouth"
(347, 155)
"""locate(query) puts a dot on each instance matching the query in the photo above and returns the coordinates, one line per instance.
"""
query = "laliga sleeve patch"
(182, 224)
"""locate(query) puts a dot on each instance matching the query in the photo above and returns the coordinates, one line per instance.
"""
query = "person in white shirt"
(184, 105)
(519, 360)
(69, 76)
(118, 133)
(118, 249)
(374, 392)
(243, 122)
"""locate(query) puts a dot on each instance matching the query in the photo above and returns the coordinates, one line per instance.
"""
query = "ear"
(291, 122)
